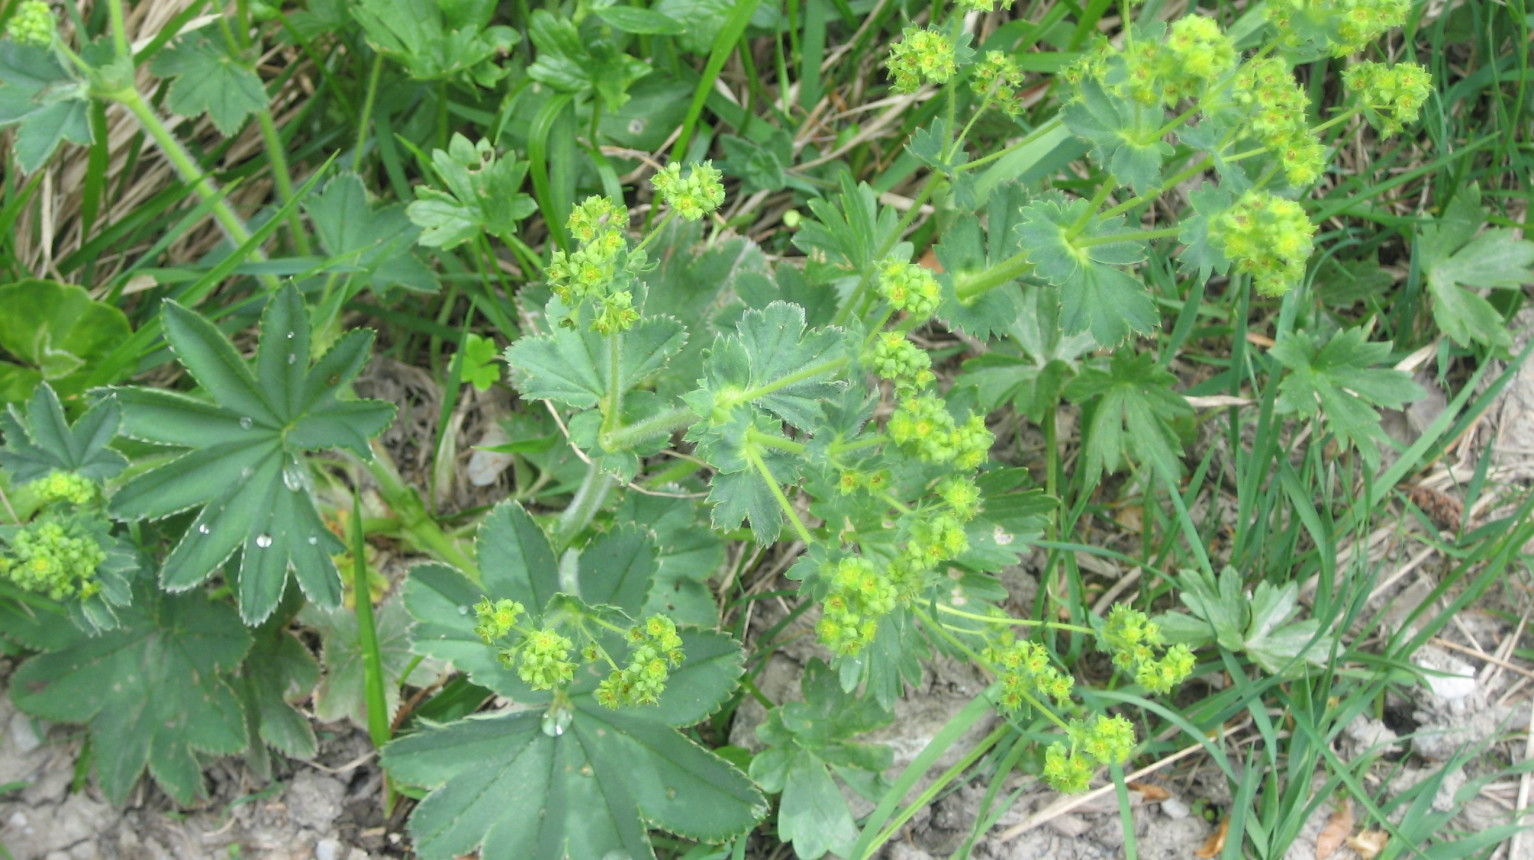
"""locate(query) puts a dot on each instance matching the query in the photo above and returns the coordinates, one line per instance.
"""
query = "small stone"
(328, 848)
(1447, 676)
(23, 735)
(1175, 808)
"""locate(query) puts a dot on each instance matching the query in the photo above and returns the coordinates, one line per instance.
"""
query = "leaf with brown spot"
(1338, 827)
(1216, 841)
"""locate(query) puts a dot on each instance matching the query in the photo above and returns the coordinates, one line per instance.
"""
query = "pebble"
(328, 848)
(1175, 808)
(23, 735)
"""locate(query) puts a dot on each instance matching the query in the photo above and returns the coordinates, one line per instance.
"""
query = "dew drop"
(671, 794)
(263, 540)
(202, 529)
(292, 478)
(313, 541)
(463, 610)
(292, 359)
(247, 472)
(556, 720)
(245, 423)
(290, 335)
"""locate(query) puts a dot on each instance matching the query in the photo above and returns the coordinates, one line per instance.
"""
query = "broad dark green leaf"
(245, 467)
(152, 692)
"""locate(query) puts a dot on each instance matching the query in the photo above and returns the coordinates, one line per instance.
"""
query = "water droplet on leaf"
(202, 529)
(263, 540)
(292, 359)
(292, 477)
(313, 541)
(556, 720)
(245, 422)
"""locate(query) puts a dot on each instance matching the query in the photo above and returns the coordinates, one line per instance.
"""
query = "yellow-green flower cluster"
(996, 77)
(894, 357)
(57, 558)
(693, 196)
(496, 620)
(921, 55)
(591, 270)
(1267, 237)
(961, 495)
(934, 540)
(1103, 740)
(542, 659)
(909, 288)
(1136, 644)
(32, 24)
(64, 487)
(923, 425)
(1391, 95)
(1027, 675)
(1197, 53)
(655, 649)
(1344, 26)
(1277, 117)
(859, 596)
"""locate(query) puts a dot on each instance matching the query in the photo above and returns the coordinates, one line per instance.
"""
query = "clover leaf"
(244, 467)
(810, 741)
(561, 776)
(152, 692)
(1341, 381)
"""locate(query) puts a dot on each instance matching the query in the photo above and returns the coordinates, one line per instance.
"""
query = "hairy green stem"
(367, 111)
(583, 506)
(783, 382)
(1014, 622)
(282, 178)
(119, 30)
(1133, 236)
(415, 521)
(760, 465)
(666, 423)
(1182, 176)
(613, 414)
(970, 286)
(205, 188)
(1028, 138)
